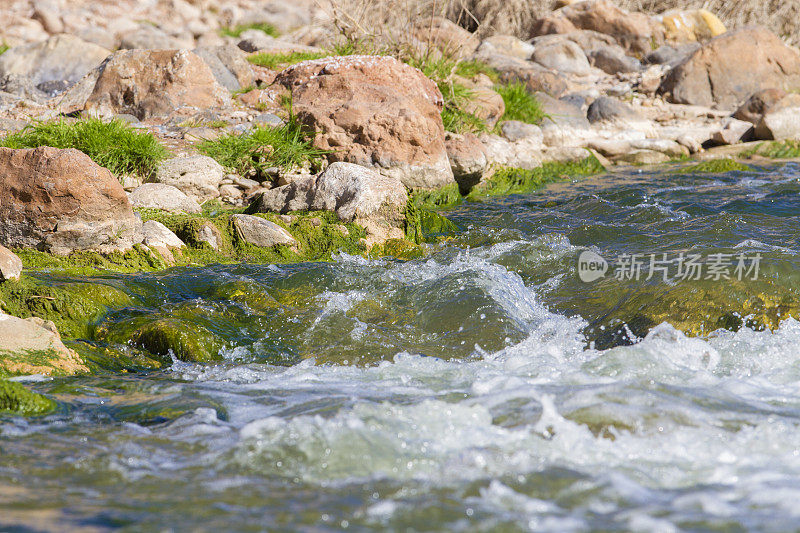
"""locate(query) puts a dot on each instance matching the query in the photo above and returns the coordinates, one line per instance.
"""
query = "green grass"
(520, 104)
(454, 115)
(780, 149)
(470, 69)
(715, 166)
(113, 145)
(519, 181)
(237, 31)
(285, 146)
(3, 48)
(282, 60)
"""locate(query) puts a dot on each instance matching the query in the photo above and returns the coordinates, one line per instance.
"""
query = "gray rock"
(260, 232)
(163, 196)
(209, 234)
(149, 37)
(21, 87)
(563, 56)
(10, 264)
(467, 159)
(59, 58)
(229, 65)
(515, 130)
(507, 45)
(198, 176)
(99, 36)
(561, 112)
(298, 195)
(733, 131)
(606, 109)
(671, 55)
(781, 120)
(268, 119)
(157, 234)
(612, 60)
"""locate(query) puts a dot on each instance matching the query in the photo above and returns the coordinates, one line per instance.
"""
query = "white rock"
(260, 232)
(157, 234)
(162, 196)
(10, 264)
(198, 176)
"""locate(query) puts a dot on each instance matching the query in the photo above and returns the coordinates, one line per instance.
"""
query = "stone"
(671, 56)
(445, 36)
(754, 107)
(606, 109)
(520, 154)
(60, 201)
(260, 232)
(688, 25)
(47, 15)
(515, 130)
(229, 66)
(564, 56)
(467, 159)
(147, 83)
(361, 195)
(158, 235)
(781, 120)
(636, 32)
(10, 265)
(64, 58)
(731, 67)
(643, 157)
(484, 103)
(210, 234)
(297, 195)
(561, 112)
(164, 197)
(733, 131)
(148, 37)
(373, 111)
(536, 78)
(21, 86)
(198, 176)
(19, 337)
(255, 40)
(230, 192)
(612, 60)
(507, 45)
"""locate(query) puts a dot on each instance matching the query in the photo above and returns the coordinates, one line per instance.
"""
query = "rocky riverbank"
(139, 136)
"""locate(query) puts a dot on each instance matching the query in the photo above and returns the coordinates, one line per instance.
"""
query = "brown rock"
(60, 201)
(445, 36)
(729, 68)
(10, 264)
(146, 83)
(19, 337)
(781, 120)
(755, 106)
(467, 158)
(375, 112)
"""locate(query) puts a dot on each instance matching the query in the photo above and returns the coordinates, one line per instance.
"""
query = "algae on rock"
(16, 399)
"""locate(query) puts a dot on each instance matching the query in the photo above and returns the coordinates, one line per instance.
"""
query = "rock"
(230, 192)
(297, 195)
(99, 36)
(20, 337)
(484, 103)
(606, 109)
(467, 159)
(781, 120)
(690, 25)
(612, 59)
(758, 103)
(733, 131)
(10, 265)
(198, 176)
(507, 45)
(515, 130)
(373, 111)
(16, 399)
(158, 235)
(526, 153)
(564, 56)
(260, 232)
(729, 68)
(21, 86)
(255, 40)
(668, 147)
(536, 78)
(671, 55)
(561, 112)
(146, 83)
(643, 157)
(229, 66)
(446, 36)
(165, 197)
(60, 200)
(690, 143)
(636, 32)
(47, 15)
(210, 234)
(64, 58)
(148, 37)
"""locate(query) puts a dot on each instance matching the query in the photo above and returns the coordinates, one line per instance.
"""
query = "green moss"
(446, 196)
(236, 31)
(780, 149)
(715, 166)
(14, 398)
(280, 61)
(113, 145)
(398, 248)
(424, 225)
(520, 104)
(470, 69)
(519, 181)
(22, 363)
(72, 306)
(138, 259)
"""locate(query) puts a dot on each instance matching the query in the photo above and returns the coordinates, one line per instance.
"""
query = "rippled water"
(484, 387)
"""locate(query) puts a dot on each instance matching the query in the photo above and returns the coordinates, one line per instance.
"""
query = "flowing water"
(482, 387)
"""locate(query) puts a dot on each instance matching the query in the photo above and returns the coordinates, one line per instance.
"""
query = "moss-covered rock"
(715, 166)
(16, 399)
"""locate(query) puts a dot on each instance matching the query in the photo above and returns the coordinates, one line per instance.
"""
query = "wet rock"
(260, 232)
(33, 346)
(467, 159)
(229, 66)
(147, 83)
(691, 25)
(165, 197)
(172, 337)
(563, 56)
(60, 201)
(507, 45)
(15, 398)
(733, 131)
(10, 265)
(63, 58)
(373, 111)
(758, 103)
(781, 120)
(729, 68)
(157, 234)
(606, 109)
(198, 176)
(612, 59)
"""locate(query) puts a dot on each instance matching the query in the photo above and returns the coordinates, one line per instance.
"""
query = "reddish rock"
(729, 68)
(446, 36)
(60, 200)
(755, 106)
(375, 112)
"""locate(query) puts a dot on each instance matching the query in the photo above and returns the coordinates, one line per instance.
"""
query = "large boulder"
(373, 111)
(60, 200)
(198, 176)
(61, 58)
(146, 83)
(39, 339)
(563, 56)
(689, 25)
(229, 65)
(729, 68)
(758, 103)
(636, 32)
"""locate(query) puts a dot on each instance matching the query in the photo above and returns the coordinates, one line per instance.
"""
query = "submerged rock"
(60, 201)
(33, 346)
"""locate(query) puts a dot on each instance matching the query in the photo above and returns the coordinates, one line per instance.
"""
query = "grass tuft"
(471, 68)
(281, 61)
(520, 104)
(113, 145)
(236, 31)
